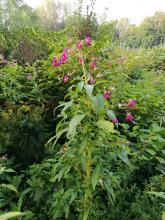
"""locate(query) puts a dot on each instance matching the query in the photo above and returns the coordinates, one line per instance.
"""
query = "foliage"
(81, 126)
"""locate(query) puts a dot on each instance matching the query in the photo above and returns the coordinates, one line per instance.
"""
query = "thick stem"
(88, 193)
(83, 66)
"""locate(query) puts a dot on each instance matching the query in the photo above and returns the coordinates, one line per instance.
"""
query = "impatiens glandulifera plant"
(87, 118)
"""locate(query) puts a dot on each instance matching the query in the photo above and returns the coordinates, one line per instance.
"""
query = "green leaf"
(123, 156)
(97, 102)
(110, 191)
(95, 176)
(73, 125)
(152, 152)
(56, 137)
(11, 215)
(9, 186)
(84, 142)
(111, 114)
(89, 89)
(80, 85)
(67, 105)
(106, 125)
(158, 194)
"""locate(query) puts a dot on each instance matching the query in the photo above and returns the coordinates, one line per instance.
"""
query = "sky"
(135, 10)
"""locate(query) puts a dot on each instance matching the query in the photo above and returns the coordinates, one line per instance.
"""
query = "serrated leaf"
(73, 125)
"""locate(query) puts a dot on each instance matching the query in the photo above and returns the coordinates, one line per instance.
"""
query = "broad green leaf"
(101, 103)
(95, 176)
(89, 89)
(11, 215)
(97, 102)
(80, 85)
(111, 114)
(106, 125)
(73, 125)
(163, 216)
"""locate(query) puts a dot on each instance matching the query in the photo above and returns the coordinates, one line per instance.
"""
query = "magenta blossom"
(129, 117)
(88, 40)
(107, 95)
(93, 64)
(63, 58)
(66, 79)
(131, 104)
(79, 45)
(55, 62)
(115, 120)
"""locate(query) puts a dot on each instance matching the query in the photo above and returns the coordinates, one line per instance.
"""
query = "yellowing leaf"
(106, 125)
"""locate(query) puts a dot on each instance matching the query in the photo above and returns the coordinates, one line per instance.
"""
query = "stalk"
(88, 193)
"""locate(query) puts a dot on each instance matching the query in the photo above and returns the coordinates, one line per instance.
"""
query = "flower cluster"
(87, 41)
(63, 59)
(107, 95)
(131, 104)
(93, 63)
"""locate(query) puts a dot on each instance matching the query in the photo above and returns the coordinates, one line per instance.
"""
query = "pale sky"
(135, 10)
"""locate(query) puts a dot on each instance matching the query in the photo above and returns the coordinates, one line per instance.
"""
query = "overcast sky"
(135, 10)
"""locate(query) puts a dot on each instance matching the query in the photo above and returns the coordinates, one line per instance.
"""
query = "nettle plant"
(88, 122)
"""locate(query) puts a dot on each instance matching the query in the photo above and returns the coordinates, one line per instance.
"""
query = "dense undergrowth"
(82, 131)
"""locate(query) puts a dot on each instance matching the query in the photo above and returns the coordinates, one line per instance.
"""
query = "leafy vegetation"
(82, 119)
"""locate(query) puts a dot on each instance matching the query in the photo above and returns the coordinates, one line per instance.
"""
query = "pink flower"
(93, 64)
(131, 104)
(66, 79)
(88, 41)
(107, 95)
(63, 58)
(115, 120)
(129, 117)
(55, 62)
(79, 45)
